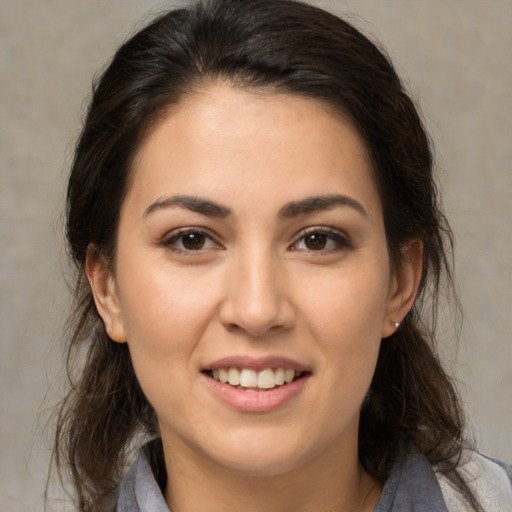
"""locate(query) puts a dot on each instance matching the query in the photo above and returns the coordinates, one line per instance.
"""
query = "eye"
(317, 240)
(190, 240)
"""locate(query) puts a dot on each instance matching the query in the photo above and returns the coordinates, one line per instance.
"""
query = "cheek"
(348, 305)
(164, 313)
(165, 317)
(345, 315)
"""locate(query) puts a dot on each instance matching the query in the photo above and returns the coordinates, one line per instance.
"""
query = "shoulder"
(415, 485)
(411, 485)
(139, 490)
(489, 479)
(107, 503)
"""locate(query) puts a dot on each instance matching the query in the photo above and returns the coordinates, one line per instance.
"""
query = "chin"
(257, 454)
(262, 465)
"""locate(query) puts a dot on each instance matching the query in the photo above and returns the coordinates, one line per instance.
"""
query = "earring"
(397, 325)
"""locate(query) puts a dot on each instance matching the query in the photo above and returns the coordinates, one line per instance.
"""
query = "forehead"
(224, 140)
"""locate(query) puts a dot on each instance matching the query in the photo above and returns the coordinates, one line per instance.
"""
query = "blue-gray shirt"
(411, 486)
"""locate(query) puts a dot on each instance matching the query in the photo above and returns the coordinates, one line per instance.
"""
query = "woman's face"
(251, 247)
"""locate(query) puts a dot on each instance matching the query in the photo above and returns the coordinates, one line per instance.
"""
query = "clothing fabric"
(412, 486)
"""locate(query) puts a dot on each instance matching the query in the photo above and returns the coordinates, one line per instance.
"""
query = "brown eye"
(193, 241)
(321, 240)
(189, 241)
(315, 241)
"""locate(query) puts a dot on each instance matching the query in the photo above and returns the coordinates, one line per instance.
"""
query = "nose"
(255, 300)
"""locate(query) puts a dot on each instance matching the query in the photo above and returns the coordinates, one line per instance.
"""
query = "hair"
(282, 46)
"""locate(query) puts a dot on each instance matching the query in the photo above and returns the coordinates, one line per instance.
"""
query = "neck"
(335, 483)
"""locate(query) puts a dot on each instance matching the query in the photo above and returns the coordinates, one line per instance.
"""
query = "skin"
(255, 285)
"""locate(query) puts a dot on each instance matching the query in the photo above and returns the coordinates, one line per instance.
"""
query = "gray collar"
(412, 486)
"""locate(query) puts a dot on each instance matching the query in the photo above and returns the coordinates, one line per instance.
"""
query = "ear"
(103, 286)
(404, 286)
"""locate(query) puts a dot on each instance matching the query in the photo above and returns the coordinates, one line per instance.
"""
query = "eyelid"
(169, 239)
(341, 239)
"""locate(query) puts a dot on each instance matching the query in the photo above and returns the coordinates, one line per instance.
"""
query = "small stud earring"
(397, 325)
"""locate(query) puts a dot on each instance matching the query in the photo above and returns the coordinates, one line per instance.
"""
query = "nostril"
(232, 327)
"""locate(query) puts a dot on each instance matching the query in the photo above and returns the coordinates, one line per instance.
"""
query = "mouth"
(256, 385)
(248, 379)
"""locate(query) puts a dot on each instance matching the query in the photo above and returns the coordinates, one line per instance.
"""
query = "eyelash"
(340, 241)
(175, 237)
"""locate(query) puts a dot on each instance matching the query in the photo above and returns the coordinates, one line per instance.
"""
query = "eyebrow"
(195, 204)
(318, 203)
(289, 210)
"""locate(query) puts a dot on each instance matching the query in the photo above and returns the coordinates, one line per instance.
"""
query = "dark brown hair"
(282, 46)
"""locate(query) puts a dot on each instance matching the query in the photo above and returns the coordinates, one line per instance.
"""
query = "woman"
(255, 226)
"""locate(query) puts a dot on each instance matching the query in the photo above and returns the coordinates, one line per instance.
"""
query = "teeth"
(279, 377)
(234, 376)
(248, 378)
(266, 379)
(251, 380)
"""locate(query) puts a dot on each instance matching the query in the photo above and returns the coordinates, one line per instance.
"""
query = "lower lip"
(256, 401)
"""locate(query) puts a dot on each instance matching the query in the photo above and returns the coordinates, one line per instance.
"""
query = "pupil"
(316, 241)
(193, 241)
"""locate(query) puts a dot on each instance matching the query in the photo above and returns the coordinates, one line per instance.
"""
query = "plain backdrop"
(456, 58)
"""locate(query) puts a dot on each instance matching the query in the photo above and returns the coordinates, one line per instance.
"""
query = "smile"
(256, 385)
(252, 380)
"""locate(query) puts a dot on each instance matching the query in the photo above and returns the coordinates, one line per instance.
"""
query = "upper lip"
(257, 363)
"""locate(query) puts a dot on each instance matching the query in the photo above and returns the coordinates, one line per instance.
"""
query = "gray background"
(454, 55)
